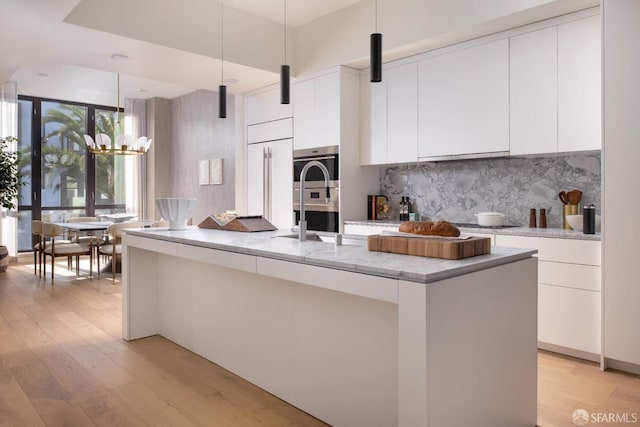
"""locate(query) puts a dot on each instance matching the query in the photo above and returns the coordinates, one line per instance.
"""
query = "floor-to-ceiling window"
(63, 178)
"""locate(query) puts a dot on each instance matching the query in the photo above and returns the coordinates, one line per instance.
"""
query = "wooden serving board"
(433, 248)
(244, 224)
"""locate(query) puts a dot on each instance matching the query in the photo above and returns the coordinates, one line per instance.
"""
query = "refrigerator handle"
(270, 183)
(265, 172)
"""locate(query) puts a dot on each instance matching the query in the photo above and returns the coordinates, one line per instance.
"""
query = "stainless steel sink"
(311, 237)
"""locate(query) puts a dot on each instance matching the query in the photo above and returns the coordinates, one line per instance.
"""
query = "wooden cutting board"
(433, 248)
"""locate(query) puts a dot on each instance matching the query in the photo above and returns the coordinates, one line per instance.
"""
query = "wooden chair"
(114, 247)
(91, 238)
(55, 248)
(36, 232)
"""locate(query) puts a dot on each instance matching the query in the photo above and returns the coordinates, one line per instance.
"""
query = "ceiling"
(50, 57)
(62, 49)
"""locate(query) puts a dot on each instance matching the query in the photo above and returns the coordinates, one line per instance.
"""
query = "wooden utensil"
(563, 198)
(574, 197)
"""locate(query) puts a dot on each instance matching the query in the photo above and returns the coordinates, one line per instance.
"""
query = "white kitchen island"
(355, 338)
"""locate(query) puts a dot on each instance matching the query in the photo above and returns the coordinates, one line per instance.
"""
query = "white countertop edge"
(551, 233)
(439, 268)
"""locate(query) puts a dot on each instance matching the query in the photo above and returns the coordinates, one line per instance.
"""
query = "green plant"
(10, 177)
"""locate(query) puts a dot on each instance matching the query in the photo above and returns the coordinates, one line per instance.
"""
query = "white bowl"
(576, 222)
(176, 211)
(490, 219)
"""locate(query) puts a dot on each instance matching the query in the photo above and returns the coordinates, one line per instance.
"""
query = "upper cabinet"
(316, 111)
(555, 89)
(390, 117)
(579, 85)
(530, 90)
(463, 99)
(265, 107)
(533, 92)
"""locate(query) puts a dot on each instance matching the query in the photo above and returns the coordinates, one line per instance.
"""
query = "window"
(63, 178)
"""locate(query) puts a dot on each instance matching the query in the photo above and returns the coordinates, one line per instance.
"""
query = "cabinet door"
(265, 106)
(463, 101)
(304, 95)
(280, 183)
(327, 110)
(569, 317)
(402, 113)
(378, 128)
(579, 85)
(255, 178)
(534, 92)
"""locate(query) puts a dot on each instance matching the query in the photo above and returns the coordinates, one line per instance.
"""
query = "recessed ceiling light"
(141, 90)
(43, 75)
(231, 81)
(119, 57)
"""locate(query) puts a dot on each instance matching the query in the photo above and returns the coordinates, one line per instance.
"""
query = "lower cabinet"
(569, 293)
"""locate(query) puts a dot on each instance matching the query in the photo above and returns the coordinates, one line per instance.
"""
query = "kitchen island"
(355, 338)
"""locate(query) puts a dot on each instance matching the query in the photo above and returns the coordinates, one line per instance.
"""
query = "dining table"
(84, 227)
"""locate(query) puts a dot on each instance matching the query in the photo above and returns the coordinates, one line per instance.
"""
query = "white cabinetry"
(569, 293)
(392, 123)
(265, 107)
(269, 181)
(463, 101)
(579, 85)
(316, 111)
(555, 89)
(534, 92)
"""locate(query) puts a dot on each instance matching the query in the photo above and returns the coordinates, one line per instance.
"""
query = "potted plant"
(10, 182)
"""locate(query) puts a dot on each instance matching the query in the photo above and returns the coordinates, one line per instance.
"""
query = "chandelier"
(123, 144)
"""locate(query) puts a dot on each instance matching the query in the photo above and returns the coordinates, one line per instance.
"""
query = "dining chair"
(90, 238)
(36, 232)
(55, 248)
(114, 247)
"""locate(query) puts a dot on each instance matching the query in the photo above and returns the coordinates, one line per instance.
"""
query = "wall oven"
(321, 215)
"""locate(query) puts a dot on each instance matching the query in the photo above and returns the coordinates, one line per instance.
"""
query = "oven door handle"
(307, 159)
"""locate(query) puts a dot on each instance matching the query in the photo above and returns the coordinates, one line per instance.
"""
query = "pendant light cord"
(285, 31)
(118, 100)
(376, 16)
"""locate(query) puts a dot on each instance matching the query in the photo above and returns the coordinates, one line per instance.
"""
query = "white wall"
(621, 174)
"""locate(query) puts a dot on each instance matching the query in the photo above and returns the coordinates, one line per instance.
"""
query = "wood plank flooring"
(63, 363)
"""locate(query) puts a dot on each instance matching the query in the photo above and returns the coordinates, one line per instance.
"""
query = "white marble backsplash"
(455, 190)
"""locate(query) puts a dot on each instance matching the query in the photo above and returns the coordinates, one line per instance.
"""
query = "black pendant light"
(222, 89)
(285, 72)
(376, 52)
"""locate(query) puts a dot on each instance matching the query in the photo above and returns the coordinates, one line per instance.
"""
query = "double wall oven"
(321, 214)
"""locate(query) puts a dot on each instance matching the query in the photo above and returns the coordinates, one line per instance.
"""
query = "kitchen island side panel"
(483, 348)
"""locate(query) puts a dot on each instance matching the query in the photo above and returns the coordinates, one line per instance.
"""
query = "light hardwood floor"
(63, 363)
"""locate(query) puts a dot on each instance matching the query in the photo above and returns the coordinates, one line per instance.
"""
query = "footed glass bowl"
(176, 211)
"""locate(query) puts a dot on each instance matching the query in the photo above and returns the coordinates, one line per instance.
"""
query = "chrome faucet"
(302, 236)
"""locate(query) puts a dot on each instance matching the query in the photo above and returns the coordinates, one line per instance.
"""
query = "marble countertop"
(557, 233)
(353, 257)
